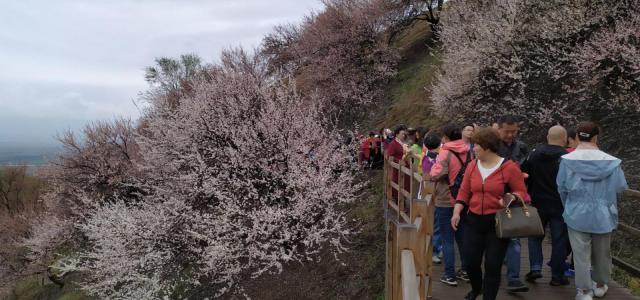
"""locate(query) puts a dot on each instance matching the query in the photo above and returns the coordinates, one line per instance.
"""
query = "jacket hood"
(458, 146)
(550, 152)
(591, 164)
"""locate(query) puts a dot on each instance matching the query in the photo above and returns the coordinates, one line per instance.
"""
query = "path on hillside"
(537, 291)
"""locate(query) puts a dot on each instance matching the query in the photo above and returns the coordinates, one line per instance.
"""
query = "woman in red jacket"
(486, 181)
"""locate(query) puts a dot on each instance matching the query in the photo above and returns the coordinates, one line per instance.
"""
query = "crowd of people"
(571, 182)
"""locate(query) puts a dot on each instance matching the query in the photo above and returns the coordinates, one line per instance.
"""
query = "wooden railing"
(623, 262)
(409, 210)
(409, 227)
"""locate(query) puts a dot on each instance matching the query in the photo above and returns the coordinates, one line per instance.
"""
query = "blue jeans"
(448, 235)
(513, 260)
(559, 241)
(436, 240)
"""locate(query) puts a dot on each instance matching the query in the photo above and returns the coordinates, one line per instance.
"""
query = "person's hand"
(506, 199)
(425, 177)
(455, 220)
(406, 148)
(525, 175)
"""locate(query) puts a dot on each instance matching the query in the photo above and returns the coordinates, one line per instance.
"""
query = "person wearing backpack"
(447, 173)
(485, 183)
(432, 142)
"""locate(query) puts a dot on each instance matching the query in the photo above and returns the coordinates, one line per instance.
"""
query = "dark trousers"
(559, 241)
(480, 241)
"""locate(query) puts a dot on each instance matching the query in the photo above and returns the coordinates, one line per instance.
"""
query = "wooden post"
(401, 185)
(428, 242)
(386, 179)
(390, 258)
(412, 188)
(388, 242)
(413, 237)
(410, 281)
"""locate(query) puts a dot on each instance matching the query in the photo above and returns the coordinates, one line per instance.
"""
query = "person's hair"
(399, 128)
(487, 138)
(572, 133)
(508, 119)
(587, 130)
(452, 131)
(432, 141)
(372, 134)
(421, 132)
(468, 125)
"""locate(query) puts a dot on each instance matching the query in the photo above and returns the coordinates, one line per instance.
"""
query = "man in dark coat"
(542, 166)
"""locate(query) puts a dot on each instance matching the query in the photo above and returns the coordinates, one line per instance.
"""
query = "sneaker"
(570, 273)
(517, 287)
(449, 281)
(440, 255)
(532, 276)
(471, 295)
(559, 281)
(582, 295)
(436, 259)
(463, 275)
(599, 291)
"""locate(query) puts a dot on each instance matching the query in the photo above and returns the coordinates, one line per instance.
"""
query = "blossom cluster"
(548, 61)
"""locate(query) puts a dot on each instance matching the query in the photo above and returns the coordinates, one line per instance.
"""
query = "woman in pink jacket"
(449, 169)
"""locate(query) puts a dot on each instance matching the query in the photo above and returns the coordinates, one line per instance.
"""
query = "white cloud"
(72, 61)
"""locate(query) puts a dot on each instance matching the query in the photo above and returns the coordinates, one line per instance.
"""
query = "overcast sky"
(66, 62)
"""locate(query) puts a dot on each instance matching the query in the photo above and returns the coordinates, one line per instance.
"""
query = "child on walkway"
(432, 143)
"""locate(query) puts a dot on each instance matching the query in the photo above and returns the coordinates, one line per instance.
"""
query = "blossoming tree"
(548, 61)
(235, 179)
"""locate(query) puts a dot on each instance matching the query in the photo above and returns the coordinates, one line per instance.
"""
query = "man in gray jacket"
(514, 149)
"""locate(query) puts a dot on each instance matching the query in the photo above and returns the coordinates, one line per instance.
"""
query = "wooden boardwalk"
(409, 273)
(541, 290)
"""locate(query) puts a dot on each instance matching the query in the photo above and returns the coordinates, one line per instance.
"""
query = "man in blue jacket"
(589, 182)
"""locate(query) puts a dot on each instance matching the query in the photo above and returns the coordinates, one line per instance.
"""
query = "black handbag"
(516, 222)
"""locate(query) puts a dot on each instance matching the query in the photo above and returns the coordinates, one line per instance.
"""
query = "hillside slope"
(408, 95)
(359, 273)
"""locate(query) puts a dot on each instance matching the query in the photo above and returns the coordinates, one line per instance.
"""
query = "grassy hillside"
(409, 93)
(37, 287)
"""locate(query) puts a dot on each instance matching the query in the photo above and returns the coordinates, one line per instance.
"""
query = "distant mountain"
(34, 155)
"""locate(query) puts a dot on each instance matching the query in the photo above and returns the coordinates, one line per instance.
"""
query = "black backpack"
(454, 186)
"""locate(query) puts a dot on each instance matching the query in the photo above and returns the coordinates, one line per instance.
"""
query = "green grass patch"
(408, 94)
(626, 280)
(74, 295)
(38, 287)
(28, 288)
